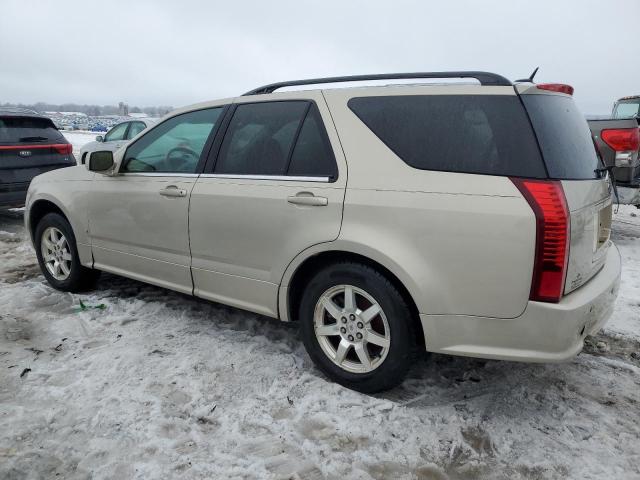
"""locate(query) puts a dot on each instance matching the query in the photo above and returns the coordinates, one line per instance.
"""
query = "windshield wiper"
(32, 139)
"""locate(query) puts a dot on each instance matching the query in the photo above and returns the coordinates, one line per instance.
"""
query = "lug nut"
(343, 330)
(351, 338)
(352, 316)
(359, 336)
(360, 325)
(344, 319)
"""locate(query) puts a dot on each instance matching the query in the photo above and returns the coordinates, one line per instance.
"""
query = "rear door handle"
(308, 198)
(173, 191)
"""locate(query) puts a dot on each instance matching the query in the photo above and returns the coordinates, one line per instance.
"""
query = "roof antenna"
(530, 79)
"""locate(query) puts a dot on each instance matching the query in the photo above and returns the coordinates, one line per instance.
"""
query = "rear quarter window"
(564, 137)
(482, 134)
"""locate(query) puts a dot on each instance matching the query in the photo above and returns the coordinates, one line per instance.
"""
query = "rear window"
(28, 130)
(483, 134)
(564, 137)
(627, 108)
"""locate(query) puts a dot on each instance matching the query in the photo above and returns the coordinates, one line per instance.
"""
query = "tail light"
(63, 148)
(624, 141)
(556, 87)
(621, 139)
(546, 199)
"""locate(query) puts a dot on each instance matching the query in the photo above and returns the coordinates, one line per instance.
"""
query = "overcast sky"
(185, 51)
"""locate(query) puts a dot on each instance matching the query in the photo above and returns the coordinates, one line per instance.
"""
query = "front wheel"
(357, 327)
(58, 255)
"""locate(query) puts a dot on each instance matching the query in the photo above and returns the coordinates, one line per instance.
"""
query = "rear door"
(570, 156)
(30, 146)
(274, 186)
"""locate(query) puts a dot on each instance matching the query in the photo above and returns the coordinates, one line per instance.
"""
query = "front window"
(175, 145)
(116, 133)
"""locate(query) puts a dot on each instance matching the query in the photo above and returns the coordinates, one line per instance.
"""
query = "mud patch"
(611, 345)
(21, 274)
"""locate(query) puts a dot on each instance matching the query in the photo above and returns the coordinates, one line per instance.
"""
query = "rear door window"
(277, 138)
(564, 137)
(260, 137)
(483, 134)
(28, 130)
(312, 155)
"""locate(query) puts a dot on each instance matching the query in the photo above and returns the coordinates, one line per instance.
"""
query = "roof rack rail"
(485, 78)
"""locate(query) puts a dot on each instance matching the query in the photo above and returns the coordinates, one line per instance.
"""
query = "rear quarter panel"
(462, 244)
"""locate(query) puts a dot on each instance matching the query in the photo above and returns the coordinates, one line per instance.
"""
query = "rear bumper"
(13, 194)
(545, 332)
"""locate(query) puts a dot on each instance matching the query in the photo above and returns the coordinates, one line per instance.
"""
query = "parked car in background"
(117, 136)
(30, 144)
(474, 220)
(618, 140)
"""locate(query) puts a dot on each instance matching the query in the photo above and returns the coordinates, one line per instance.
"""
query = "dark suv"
(30, 144)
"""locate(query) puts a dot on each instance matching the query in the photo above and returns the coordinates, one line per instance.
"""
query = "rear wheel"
(357, 327)
(58, 255)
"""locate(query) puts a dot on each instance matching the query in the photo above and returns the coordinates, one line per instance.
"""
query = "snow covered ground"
(78, 138)
(159, 385)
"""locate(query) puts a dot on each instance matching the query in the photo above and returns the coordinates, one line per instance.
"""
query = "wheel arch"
(45, 204)
(38, 209)
(306, 264)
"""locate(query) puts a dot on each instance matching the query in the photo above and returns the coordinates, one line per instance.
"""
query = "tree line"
(92, 110)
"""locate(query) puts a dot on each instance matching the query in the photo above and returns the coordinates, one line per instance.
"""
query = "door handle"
(309, 199)
(173, 191)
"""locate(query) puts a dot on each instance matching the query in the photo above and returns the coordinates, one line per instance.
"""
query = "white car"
(117, 136)
(461, 219)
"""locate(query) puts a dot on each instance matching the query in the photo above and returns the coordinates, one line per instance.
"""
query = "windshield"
(627, 108)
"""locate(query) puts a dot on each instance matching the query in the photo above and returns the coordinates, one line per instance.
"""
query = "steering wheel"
(188, 158)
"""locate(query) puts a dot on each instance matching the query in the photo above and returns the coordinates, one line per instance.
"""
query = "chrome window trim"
(277, 178)
(159, 174)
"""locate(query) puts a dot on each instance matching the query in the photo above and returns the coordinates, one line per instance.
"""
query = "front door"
(274, 191)
(139, 218)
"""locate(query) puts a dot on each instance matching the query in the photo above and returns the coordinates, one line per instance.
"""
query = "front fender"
(67, 190)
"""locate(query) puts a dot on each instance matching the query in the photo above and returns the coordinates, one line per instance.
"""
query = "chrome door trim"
(277, 178)
(160, 174)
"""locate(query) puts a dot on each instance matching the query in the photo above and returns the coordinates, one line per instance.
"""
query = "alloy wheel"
(351, 328)
(56, 253)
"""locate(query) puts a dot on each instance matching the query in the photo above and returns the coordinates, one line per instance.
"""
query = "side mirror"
(99, 138)
(101, 162)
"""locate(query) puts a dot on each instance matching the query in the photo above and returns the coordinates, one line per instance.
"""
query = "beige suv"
(467, 219)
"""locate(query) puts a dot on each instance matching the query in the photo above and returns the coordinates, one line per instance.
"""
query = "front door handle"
(173, 191)
(308, 198)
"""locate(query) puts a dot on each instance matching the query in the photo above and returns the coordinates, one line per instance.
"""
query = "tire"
(69, 275)
(326, 343)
